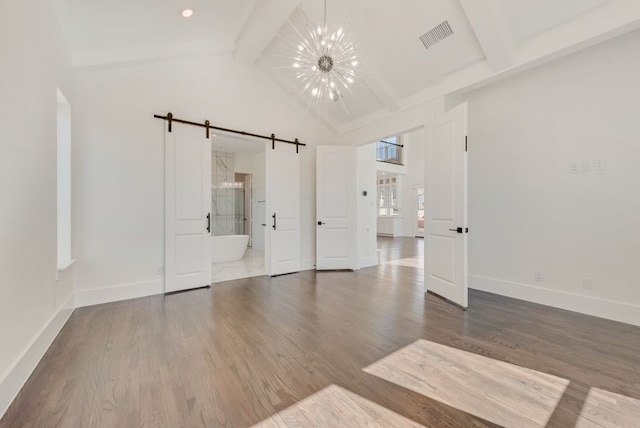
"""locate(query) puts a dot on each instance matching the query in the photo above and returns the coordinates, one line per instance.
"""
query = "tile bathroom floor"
(252, 264)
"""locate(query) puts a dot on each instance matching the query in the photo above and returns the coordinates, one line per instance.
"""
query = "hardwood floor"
(335, 349)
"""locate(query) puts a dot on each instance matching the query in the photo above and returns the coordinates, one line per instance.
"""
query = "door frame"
(404, 125)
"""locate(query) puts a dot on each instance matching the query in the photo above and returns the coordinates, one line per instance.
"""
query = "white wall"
(527, 213)
(33, 306)
(243, 162)
(119, 179)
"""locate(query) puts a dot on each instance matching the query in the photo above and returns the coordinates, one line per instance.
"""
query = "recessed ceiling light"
(187, 13)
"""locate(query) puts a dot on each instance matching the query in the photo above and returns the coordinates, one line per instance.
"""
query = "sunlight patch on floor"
(499, 392)
(607, 409)
(334, 406)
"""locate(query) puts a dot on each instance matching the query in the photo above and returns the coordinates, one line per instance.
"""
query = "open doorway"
(439, 150)
(205, 227)
(399, 173)
(237, 232)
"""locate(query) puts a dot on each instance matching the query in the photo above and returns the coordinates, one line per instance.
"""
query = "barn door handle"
(460, 230)
(209, 223)
(274, 221)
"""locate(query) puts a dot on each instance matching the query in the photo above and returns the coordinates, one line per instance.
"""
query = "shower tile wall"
(224, 205)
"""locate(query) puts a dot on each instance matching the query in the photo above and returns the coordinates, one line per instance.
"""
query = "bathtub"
(228, 248)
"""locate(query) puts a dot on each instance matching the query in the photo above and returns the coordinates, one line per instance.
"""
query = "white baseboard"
(364, 262)
(98, 296)
(596, 306)
(16, 377)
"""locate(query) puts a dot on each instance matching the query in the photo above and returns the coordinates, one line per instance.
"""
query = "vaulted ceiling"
(491, 38)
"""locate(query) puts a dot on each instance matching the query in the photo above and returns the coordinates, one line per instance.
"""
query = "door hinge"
(465, 143)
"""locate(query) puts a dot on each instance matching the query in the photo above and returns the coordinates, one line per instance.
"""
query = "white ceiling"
(107, 25)
(491, 37)
(526, 18)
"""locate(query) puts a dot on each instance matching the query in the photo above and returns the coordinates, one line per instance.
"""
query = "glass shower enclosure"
(227, 216)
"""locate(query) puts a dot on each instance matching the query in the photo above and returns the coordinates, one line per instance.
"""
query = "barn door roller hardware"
(207, 125)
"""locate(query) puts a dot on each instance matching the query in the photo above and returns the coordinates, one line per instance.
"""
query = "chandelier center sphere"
(325, 63)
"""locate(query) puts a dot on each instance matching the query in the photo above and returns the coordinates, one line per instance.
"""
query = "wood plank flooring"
(285, 351)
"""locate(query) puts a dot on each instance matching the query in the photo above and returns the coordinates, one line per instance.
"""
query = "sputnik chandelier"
(324, 62)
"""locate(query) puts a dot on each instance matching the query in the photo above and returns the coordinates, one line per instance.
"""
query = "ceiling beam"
(261, 27)
(490, 26)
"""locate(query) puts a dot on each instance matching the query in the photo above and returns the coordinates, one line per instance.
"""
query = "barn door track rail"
(207, 125)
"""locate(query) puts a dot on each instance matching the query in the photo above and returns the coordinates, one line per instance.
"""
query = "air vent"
(436, 34)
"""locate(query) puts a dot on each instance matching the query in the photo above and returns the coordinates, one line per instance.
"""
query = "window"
(63, 184)
(389, 150)
(387, 196)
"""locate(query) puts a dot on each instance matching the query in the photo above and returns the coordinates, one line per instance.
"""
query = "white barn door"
(336, 193)
(283, 201)
(187, 209)
(445, 226)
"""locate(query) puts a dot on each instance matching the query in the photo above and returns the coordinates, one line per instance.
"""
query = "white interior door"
(446, 207)
(336, 195)
(283, 199)
(187, 209)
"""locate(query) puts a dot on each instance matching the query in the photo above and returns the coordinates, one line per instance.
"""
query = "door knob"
(320, 223)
